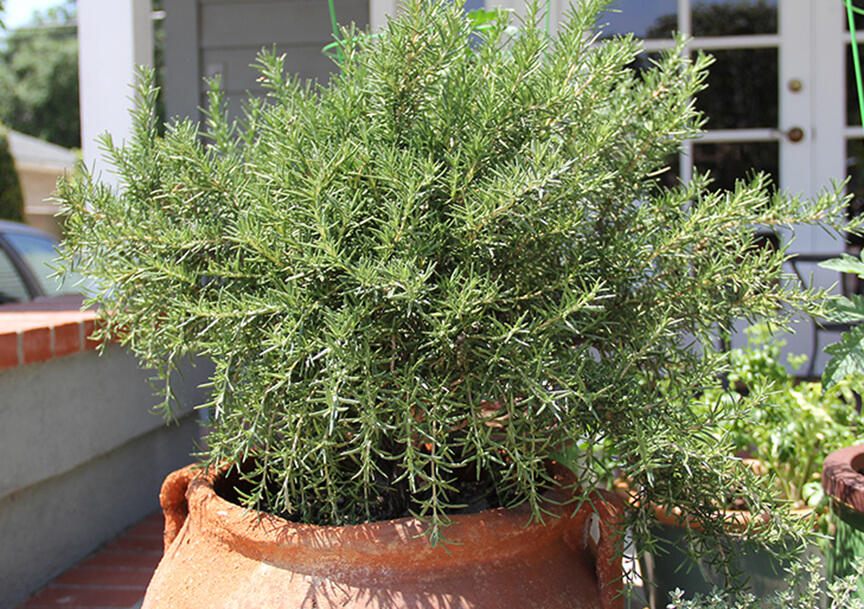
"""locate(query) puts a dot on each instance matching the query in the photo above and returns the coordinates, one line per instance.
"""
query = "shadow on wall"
(84, 458)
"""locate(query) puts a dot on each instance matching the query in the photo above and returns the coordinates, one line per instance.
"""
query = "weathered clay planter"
(218, 554)
(673, 568)
(843, 481)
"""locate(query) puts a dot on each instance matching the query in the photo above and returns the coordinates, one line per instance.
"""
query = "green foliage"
(806, 589)
(11, 197)
(787, 427)
(39, 78)
(448, 263)
(39, 75)
(847, 356)
(846, 552)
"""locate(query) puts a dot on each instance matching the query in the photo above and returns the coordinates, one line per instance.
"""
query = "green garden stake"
(328, 50)
(851, 11)
(335, 26)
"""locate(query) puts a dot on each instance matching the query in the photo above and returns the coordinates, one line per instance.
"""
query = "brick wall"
(83, 455)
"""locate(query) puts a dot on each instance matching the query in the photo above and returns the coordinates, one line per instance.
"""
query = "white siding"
(209, 37)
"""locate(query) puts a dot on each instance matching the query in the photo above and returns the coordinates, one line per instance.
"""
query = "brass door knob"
(795, 134)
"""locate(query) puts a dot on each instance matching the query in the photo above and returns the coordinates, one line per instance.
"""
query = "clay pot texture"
(220, 555)
(843, 481)
(672, 566)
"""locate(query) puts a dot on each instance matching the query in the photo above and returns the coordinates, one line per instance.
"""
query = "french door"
(780, 99)
(775, 96)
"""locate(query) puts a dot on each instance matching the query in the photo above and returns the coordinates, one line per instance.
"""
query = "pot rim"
(735, 520)
(278, 541)
(841, 477)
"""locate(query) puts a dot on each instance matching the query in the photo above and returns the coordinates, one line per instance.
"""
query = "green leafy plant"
(782, 429)
(442, 267)
(806, 589)
(785, 427)
(847, 355)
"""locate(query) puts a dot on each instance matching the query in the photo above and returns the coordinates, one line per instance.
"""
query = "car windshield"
(38, 253)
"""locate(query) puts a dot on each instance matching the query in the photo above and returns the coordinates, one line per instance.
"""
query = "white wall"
(204, 38)
(83, 458)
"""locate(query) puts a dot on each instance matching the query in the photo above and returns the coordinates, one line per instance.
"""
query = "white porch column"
(378, 12)
(114, 36)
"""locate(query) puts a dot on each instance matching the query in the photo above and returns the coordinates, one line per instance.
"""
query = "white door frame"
(813, 52)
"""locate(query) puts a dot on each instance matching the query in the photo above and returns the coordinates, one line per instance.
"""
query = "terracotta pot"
(842, 477)
(673, 567)
(218, 554)
(843, 481)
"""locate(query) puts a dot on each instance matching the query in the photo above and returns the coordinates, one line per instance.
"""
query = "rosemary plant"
(447, 264)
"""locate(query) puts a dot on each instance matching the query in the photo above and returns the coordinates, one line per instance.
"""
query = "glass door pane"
(775, 103)
(742, 89)
(644, 18)
(729, 162)
(730, 18)
(742, 100)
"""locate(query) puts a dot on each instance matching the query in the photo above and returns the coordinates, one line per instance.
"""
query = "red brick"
(36, 345)
(44, 329)
(124, 560)
(67, 339)
(151, 527)
(62, 596)
(31, 605)
(8, 350)
(157, 516)
(89, 327)
(105, 577)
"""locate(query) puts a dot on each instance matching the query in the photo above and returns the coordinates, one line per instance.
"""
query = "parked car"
(25, 256)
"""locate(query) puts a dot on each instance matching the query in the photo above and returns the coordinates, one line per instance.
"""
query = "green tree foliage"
(451, 262)
(11, 197)
(39, 78)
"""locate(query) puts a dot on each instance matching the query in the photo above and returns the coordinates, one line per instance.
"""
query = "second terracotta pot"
(843, 481)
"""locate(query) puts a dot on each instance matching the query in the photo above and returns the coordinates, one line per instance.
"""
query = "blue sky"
(18, 12)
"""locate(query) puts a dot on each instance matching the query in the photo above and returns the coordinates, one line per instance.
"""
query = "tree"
(39, 78)
(11, 197)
